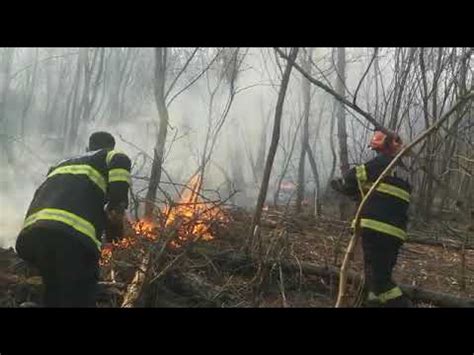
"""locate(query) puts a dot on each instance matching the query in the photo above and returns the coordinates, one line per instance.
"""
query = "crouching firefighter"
(62, 231)
(383, 218)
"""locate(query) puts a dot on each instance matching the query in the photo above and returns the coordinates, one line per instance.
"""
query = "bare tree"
(341, 117)
(120, 64)
(6, 61)
(316, 206)
(161, 94)
(30, 85)
(161, 55)
(306, 89)
(341, 121)
(262, 146)
(231, 63)
(287, 161)
(273, 145)
(317, 199)
(72, 108)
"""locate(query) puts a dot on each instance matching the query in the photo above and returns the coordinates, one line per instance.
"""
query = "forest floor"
(204, 279)
(437, 268)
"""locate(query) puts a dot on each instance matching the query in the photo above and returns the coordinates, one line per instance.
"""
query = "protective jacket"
(386, 211)
(73, 196)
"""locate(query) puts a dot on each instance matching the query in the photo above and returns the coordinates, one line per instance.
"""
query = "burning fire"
(192, 218)
(141, 229)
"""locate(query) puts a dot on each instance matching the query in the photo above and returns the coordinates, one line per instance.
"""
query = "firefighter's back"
(71, 200)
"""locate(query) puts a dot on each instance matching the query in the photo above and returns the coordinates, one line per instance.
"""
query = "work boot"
(399, 302)
(29, 305)
(371, 301)
(371, 304)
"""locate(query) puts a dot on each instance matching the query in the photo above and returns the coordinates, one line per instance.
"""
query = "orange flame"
(192, 216)
(193, 219)
(140, 229)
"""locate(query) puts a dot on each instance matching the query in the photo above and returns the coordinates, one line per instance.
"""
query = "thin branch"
(40, 61)
(365, 74)
(194, 80)
(181, 72)
(338, 97)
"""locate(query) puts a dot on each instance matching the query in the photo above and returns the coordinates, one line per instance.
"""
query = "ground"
(319, 241)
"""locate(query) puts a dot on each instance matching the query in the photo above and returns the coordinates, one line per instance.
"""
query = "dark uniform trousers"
(380, 257)
(69, 270)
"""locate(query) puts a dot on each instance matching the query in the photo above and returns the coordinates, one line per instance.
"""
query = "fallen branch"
(198, 289)
(133, 292)
(240, 262)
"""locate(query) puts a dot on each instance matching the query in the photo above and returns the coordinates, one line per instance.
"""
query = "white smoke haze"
(40, 98)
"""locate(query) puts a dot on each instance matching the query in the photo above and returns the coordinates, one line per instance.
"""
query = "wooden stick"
(343, 279)
(134, 289)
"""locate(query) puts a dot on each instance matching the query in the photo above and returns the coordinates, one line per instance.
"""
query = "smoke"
(257, 83)
(18, 184)
(13, 208)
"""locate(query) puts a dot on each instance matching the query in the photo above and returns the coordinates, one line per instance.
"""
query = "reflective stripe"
(53, 214)
(361, 175)
(394, 191)
(386, 189)
(372, 297)
(119, 175)
(87, 170)
(390, 294)
(382, 227)
(364, 185)
(110, 156)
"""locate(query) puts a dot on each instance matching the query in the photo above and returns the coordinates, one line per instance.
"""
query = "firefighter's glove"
(338, 184)
(114, 227)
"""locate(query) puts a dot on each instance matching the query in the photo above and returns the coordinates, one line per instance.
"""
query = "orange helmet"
(384, 144)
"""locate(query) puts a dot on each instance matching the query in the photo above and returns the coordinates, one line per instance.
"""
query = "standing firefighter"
(383, 218)
(62, 232)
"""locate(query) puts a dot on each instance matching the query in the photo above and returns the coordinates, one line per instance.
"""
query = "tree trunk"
(400, 85)
(314, 168)
(341, 117)
(341, 122)
(52, 108)
(161, 55)
(286, 163)
(331, 142)
(260, 162)
(86, 101)
(6, 61)
(238, 179)
(29, 89)
(274, 143)
(72, 122)
(306, 88)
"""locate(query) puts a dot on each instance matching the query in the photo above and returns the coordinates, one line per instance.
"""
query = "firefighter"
(80, 198)
(383, 218)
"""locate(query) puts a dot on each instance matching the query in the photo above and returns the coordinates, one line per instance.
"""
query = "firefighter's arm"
(346, 185)
(117, 195)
